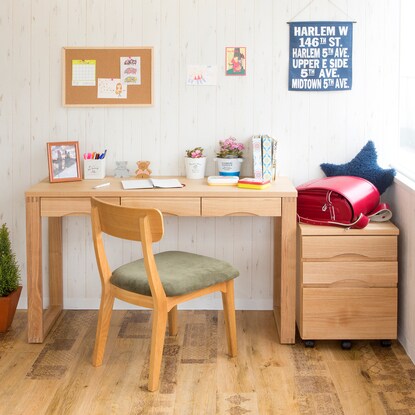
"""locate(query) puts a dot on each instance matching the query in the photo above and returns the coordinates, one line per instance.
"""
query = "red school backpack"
(347, 201)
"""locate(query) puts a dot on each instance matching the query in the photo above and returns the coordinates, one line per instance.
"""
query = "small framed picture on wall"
(64, 162)
(235, 61)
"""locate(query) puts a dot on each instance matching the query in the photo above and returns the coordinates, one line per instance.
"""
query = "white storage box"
(94, 169)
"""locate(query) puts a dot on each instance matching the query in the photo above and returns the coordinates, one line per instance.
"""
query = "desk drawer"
(349, 313)
(238, 206)
(350, 274)
(177, 206)
(62, 206)
(357, 248)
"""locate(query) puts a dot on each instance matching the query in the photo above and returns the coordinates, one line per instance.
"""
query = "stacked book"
(251, 183)
(264, 155)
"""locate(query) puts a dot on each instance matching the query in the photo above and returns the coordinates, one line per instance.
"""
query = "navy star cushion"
(363, 165)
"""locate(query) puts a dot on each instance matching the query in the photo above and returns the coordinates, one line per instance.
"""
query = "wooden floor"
(56, 377)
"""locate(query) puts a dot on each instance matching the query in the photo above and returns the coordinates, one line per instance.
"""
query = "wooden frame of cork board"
(107, 66)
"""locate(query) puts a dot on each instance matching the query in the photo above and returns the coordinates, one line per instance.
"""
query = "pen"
(101, 185)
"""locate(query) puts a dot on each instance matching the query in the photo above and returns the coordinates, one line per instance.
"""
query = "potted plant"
(9, 281)
(195, 163)
(229, 157)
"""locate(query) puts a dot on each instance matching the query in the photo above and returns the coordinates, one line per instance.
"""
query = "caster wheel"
(346, 344)
(386, 343)
(309, 343)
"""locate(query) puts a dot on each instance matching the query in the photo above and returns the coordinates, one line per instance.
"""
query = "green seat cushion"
(180, 273)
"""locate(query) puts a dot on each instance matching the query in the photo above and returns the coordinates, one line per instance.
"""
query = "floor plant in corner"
(9, 281)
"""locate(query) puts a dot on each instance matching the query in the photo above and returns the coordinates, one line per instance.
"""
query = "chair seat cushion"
(180, 273)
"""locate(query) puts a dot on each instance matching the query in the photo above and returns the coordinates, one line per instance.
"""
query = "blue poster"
(320, 56)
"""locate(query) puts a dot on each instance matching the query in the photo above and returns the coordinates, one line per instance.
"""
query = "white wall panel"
(401, 197)
(6, 113)
(20, 149)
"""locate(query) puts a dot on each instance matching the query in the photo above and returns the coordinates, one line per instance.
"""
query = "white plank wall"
(401, 197)
(311, 127)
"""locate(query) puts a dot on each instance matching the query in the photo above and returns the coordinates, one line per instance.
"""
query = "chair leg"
(104, 319)
(173, 321)
(157, 344)
(230, 320)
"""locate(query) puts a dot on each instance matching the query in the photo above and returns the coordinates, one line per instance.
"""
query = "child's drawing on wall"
(201, 75)
(235, 61)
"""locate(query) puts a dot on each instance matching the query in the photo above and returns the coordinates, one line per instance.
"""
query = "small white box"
(94, 169)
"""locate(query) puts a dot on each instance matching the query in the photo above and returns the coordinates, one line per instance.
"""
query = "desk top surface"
(281, 187)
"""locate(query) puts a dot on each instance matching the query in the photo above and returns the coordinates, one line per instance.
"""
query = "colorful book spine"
(252, 180)
(257, 156)
(254, 186)
(274, 158)
(252, 183)
(267, 145)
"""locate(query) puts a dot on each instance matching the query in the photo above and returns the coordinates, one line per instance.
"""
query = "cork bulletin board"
(108, 77)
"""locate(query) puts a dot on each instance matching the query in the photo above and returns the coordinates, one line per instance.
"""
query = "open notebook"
(150, 184)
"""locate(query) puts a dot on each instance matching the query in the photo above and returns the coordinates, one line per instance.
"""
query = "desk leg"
(34, 270)
(38, 322)
(285, 270)
(55, 274)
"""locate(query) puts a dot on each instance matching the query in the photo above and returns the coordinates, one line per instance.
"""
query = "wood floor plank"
(197, 375)
(357, 397)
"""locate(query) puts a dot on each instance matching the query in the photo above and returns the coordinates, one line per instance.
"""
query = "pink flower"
(196, 152)
(230, 148)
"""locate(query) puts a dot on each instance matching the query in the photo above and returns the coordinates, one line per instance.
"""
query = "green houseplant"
(9, 280)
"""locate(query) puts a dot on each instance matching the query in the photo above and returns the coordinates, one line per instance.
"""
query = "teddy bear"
(143, 171)
(121, 169)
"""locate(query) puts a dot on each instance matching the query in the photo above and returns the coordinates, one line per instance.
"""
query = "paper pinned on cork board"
(83, 72)
(130, 70)
(111, 88)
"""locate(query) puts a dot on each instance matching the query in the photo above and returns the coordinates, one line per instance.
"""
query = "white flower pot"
(229, 166)
(195, 167)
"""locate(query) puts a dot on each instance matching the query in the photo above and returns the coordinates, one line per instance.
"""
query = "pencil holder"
(94, 169)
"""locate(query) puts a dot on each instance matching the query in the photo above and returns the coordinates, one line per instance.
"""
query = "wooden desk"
(55, 200)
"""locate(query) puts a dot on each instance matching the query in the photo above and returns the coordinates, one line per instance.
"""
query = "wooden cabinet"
(347, 282)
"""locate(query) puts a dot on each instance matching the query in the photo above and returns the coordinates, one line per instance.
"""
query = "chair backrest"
(124, 222)
(134, 224)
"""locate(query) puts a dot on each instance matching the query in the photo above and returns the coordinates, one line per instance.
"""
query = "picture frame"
(64, 161)
(235, 61)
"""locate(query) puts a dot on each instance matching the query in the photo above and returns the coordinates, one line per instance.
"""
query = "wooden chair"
(158, 281)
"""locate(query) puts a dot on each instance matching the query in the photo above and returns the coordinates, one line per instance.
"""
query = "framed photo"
(235, 61)
(64, 162)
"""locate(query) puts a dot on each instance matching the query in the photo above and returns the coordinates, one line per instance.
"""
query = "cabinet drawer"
(351, 274)
(238, 206)
(60, 206)
(177, 206)
(358, 248)
(349, 313)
